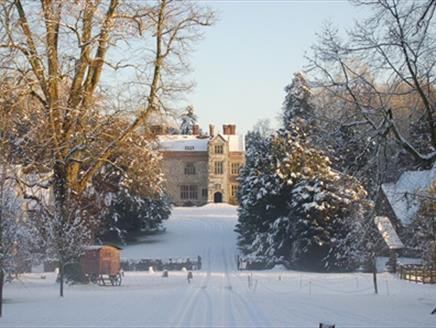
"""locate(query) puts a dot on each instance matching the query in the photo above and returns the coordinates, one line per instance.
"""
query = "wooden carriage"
(101, 264)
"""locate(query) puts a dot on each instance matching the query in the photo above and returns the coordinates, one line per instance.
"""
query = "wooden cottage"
(390, 236)
(101, 264)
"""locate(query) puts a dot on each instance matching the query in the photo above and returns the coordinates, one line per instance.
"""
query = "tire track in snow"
(189, 306)
(249, 307)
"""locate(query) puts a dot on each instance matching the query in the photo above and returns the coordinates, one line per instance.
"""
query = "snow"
(404, 196)
(388, 232)
(218, 295)
(193, 143)
(182, 143)
(236, 142)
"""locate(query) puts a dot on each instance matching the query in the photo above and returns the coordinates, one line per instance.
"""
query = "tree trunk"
(2, 280)
(61, 200)
(2, 250)
(61, 278)
(374, 273)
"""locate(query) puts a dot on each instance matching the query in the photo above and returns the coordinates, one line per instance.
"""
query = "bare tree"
(384, 77)
(61, 49)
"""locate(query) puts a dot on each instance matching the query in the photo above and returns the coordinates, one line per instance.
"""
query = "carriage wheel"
(116, 280)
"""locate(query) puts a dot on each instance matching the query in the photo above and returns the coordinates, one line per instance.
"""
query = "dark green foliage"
(129, 214)
(295, 209)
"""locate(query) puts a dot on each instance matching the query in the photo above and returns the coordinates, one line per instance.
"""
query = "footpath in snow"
(219, 295)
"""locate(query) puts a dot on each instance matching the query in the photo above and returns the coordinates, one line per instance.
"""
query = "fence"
(425, 274)
(171, 264)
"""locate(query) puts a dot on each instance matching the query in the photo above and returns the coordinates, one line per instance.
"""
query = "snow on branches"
(295, 209)
(188, 120)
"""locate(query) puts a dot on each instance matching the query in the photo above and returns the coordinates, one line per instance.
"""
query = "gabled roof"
(179, 142)
(406, 194)
(388, 232)
(236, 142)
(98, 247)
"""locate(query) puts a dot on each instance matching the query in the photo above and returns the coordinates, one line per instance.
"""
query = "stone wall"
(234, 157)
(173, 165)
(205, 178)
(218, 183)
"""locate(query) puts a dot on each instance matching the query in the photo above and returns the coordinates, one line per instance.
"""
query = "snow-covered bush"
(17, 237)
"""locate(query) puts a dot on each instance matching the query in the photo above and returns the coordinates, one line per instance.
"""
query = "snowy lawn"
(218, 295)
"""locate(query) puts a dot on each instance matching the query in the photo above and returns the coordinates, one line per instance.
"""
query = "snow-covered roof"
(97, 247)
(183, 142)
(406, 194)
(388, 232)
(180, 142)
(236, 142)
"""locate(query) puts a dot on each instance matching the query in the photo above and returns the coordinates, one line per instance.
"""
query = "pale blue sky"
(245, 60)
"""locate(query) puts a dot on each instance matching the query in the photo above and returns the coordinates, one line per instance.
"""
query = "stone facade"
(200, 170)
(174, 165)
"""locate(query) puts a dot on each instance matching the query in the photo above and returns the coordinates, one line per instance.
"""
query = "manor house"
(202, 169)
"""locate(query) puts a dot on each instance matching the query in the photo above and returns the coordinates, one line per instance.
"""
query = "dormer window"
(219, 149)
(189, 147)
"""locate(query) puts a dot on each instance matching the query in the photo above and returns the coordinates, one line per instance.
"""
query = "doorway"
(218, 197)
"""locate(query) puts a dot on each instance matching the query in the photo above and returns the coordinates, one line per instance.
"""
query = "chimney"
(233, 129)
(229, 129)
(225, 129)
(211, 130)
(195, 130)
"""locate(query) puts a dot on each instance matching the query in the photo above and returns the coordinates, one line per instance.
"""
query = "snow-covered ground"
(219, 295)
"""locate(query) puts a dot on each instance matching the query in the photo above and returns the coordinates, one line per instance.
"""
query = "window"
(204, 193)
(235, 190)
(218, 167)
(193, 193)
(219, 149)
(189, 169)
(236, 168)
(184, 192)
(189, 192)
(189, 147)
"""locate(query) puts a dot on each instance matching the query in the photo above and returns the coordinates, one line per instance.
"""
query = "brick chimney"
(195, 130)
(233, 129)
(229, 129)
(226, 129)
(211, 130)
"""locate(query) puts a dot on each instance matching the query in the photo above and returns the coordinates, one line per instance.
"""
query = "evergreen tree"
(298, 100)
(295, 208)
(189, 119)
(258, 191)
(129, 214)
(325, 207)
(421, 234)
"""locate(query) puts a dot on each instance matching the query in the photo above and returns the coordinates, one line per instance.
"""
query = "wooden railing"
(425, 274)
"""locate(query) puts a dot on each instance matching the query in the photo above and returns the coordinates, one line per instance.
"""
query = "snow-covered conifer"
(259, 187)
(298, 100)
(188, 120)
